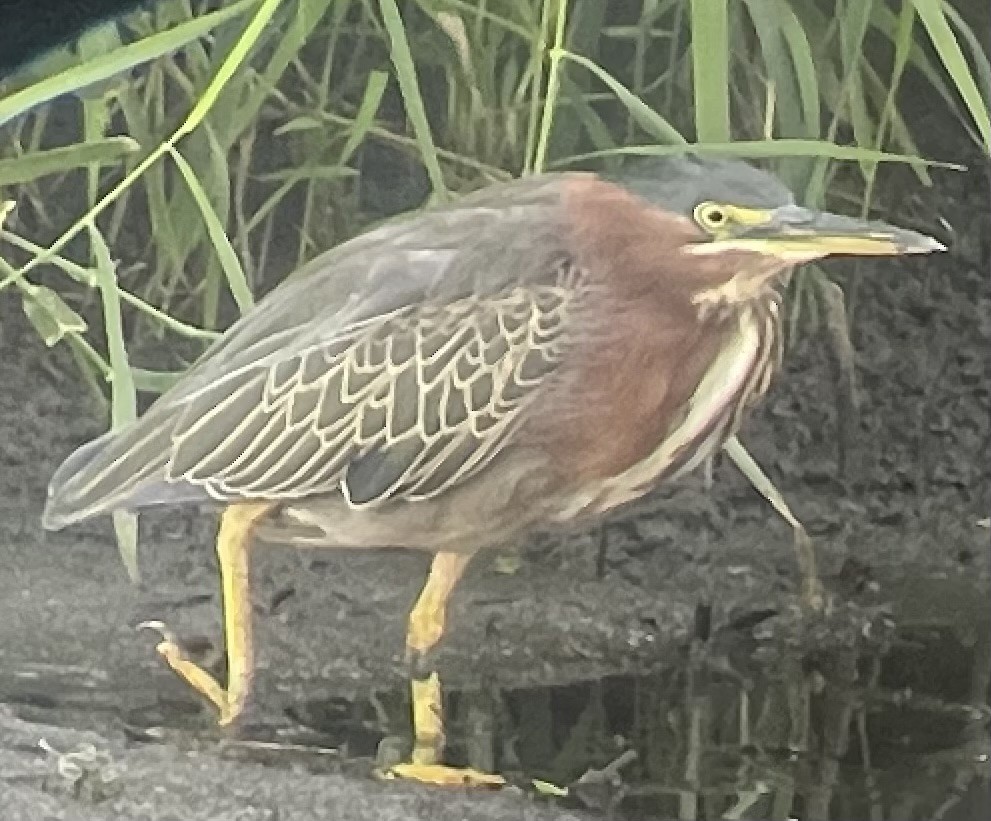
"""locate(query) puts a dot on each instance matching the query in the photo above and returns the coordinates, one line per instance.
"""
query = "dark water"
(901, 734)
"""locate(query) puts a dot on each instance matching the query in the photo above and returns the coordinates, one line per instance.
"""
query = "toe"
(444, 776)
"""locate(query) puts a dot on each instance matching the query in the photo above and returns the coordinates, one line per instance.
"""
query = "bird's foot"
(428, 745)
(228, 707)
(441, 775)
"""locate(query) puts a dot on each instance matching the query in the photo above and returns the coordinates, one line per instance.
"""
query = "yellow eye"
(711, 216)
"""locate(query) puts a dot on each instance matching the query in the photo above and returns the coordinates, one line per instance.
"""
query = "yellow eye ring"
(711, 216)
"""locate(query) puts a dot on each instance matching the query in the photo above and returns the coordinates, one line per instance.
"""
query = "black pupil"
(717, 217)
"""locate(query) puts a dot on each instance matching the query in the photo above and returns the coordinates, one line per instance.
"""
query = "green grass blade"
(236, 112)
(853, 22)
(365, 118)
(49, 315)
(982, 65)
(27, 167)
(226, 70)
(118, 61)
(595, 126)
(538, 41)
(236, 280)
(805, 71)
(644, 116)
(578, 28)
(96, 111)
(766, 21)
(123, 402)
(710, 65)
(886, 21)
(933, 16)
(764, 149)
(902, 42)
(237, 55)
(890, 120)
(557, 54)
(86, 277)
(760, 481)
(409, 87)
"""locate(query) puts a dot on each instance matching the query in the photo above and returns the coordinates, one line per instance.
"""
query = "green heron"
(536, 353)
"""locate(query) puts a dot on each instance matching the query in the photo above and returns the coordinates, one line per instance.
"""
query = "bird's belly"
(491, 509)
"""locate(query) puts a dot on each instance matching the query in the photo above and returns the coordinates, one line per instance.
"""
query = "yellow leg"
(426, 619)
(233, 542)
(426, 627)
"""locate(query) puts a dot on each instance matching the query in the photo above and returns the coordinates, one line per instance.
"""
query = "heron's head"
(742, 228)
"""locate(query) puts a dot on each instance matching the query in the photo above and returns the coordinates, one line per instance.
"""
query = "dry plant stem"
(812, 595)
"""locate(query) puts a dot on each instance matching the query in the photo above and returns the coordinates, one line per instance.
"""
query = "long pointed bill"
(793, 234)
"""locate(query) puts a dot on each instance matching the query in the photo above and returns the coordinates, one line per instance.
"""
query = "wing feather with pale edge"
(363, 373)
(405, 406)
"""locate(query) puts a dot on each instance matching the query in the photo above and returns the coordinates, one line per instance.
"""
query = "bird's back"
(477, 249)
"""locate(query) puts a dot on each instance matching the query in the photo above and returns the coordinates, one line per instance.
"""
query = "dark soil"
(894, 514)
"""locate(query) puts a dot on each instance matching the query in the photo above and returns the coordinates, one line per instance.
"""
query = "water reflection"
(899, 732)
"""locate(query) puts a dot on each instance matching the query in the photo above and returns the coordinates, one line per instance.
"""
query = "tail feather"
(122, 469)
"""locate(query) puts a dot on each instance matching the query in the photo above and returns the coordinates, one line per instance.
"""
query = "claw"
(158, 627)
(170, 650)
